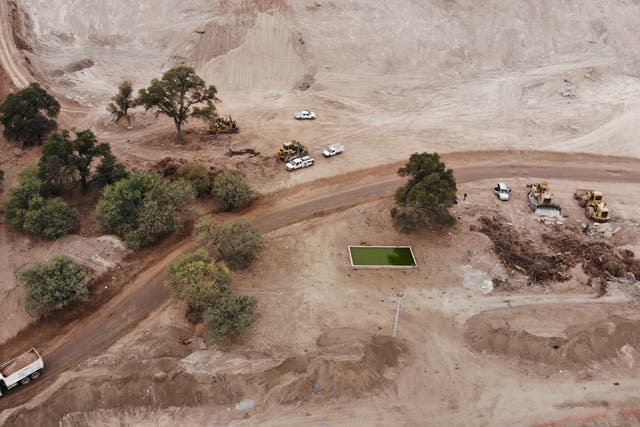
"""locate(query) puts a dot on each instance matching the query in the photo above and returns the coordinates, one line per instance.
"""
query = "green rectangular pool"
(382, 257)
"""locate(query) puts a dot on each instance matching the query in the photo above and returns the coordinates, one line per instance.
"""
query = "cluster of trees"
(180, 94)
(424, 201)
(204, 284)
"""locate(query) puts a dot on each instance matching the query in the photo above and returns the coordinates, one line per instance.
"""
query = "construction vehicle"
(291, 150)
(595, 208)
(20, 370)
(223, 124)
(333, 150)
(299, 163)
(540, 200)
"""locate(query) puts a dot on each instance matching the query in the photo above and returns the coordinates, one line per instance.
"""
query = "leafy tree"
(109, 171)
(237, 242)
(122, 101)
(144, 207)
(426, 198)
(177, 95)
(198, 176)
(197, 280)
(28, 115)
(65, 160)
(49, 218)
(54, 285)
(232, 191)
(27, 210)
(230, 316)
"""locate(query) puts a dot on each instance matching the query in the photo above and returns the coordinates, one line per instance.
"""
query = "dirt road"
(147, 292)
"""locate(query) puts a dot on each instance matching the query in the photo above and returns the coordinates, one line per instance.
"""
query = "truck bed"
(14, 365)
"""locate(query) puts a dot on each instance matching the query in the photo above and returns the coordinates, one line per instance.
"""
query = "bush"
(197, 280)
(426, 198)
(197, 175)
(27, 115)
(232, 191)
(237, 242)
(53, 285)
(229, 316)
(28, 211)
(144, 207)
(109, 171)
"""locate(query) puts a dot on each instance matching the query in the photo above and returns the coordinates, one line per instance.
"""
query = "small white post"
(395, 323)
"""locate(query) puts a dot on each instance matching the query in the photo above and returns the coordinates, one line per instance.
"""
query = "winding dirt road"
(147, 291)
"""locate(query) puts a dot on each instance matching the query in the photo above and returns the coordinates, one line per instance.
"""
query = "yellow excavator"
(291, 150)
(223, 124)
(594, 206)
(540, 200)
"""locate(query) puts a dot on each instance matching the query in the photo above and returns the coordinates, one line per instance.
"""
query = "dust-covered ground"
(475, 338)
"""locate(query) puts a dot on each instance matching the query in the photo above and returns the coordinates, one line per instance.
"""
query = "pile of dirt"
(18, 363)
(577, 346)
(168, 168)
(347, 363)
(555, 256)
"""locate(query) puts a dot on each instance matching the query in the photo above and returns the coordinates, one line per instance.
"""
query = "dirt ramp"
(612, 339)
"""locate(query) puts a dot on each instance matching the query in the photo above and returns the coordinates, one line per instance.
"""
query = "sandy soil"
(386, 81)
(474, 354)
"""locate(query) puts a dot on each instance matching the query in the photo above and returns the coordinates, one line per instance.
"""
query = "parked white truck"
(333, 150)
(300, 162)
(20, 370)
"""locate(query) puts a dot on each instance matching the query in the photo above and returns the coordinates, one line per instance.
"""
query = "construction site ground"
(478, 343)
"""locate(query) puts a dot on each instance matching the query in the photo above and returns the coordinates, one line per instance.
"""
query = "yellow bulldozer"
(540, 200)
(223, 124)
(291, 150)
(594, 206)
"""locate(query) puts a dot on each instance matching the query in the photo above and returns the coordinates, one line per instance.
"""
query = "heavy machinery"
(540, 200)
(291, 150)
(595, 208)
(223, 124)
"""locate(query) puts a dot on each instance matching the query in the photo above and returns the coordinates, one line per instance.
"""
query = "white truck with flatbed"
(20, 370)
(333, 150)
(299, 163)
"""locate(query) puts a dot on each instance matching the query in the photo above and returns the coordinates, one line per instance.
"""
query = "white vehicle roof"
(502, 186)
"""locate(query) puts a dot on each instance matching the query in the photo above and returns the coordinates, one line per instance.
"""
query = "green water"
(372, 255)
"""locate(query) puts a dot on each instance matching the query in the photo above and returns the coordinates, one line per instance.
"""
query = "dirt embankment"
(346, 363)
(577, 346)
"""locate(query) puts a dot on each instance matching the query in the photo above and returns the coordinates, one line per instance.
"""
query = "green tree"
(180, 94)
(230, 316)
(197, 280)
(65, 160)
(53, 285)
(424, 201)
(122, 101)
(232, 191)
(27, 210)
(28, 115)
(237, 242)
(109, 171)
(197, 175)
(143, 207)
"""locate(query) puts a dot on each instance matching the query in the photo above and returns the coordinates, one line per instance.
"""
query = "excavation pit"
(396, 257)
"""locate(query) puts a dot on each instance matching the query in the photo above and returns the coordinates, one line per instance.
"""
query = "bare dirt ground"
(465, 356)
(479, 345)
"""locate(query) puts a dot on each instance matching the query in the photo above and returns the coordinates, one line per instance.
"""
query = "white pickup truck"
(300, 162)
(20, 370)
(333, 150)
(305, 115)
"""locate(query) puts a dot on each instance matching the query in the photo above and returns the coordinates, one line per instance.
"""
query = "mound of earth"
(580, 344)
(346, 363)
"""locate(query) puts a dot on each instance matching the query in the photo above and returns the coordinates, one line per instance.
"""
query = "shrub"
(27, 210)
(237, 242)
(230, 316)
(109, 171)
(197, 280)
(197, 175)
(232, 191)
(144, 207)
(53, 285)
(122, 101)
